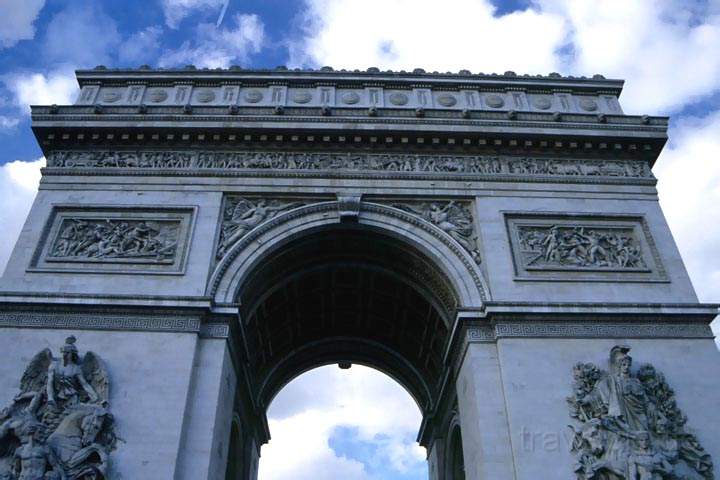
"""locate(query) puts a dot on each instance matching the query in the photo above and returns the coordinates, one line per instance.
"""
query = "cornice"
(220, 116)
(480, 132)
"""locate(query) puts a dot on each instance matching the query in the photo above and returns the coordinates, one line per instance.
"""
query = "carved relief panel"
(110, 239)
(335, 163)
(583, 247)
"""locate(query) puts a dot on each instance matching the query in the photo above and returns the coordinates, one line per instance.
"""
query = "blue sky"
(668, 51)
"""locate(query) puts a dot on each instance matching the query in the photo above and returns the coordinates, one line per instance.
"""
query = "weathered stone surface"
(213, 234)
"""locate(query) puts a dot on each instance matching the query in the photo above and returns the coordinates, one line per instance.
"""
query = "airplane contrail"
(222, 13)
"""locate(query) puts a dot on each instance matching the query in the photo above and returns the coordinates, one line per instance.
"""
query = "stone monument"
(492, 242)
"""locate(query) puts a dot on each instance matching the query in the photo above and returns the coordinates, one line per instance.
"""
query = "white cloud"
(688, 174)
(17, 19)
(82, 35)
(58, 87)
(7, 123)
(18, 185)
(216, 47)
(404, 34)
(305, 414)
(176, 10)
(140, 47)
(665, 49)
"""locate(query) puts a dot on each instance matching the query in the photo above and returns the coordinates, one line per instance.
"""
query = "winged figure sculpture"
(58, 427)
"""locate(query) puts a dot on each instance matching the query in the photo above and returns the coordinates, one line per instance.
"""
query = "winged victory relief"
(59, 427)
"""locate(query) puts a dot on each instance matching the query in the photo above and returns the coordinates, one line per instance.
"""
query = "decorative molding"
(436, 98)
(507, 168)
(132, 240)
(99, 321)
(481, 334)
(533, 329)
(214, 330)
(596, 247)
(330, 77)
(349, 207)
(603, 330)
(163, 322)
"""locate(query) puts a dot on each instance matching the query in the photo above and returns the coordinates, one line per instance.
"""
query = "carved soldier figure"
(68, 238)
(66, 379)
(646, 462)
(551, 243)
(34, 460)
(137, 238)
(596, 252)
(575, 244)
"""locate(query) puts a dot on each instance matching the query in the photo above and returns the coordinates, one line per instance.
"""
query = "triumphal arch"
(492, 242)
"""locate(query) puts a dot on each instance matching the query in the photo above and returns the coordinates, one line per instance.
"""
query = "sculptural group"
(332, 161)
(86, 238)
(629, 426)
(59, 426)
(579, 246)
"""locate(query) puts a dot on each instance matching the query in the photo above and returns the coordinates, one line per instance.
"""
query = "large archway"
(382, 289)
(347, 294)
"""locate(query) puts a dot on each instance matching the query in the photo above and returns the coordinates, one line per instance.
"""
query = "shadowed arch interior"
(347, 293)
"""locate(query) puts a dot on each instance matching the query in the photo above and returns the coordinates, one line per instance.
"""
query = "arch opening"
(347, 294)
(335, 423)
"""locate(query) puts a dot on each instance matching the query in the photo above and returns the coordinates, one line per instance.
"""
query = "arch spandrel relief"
(446, 234)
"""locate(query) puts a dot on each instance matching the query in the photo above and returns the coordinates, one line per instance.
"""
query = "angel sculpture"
(452, 218)
(63, 403)
(242, 215)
